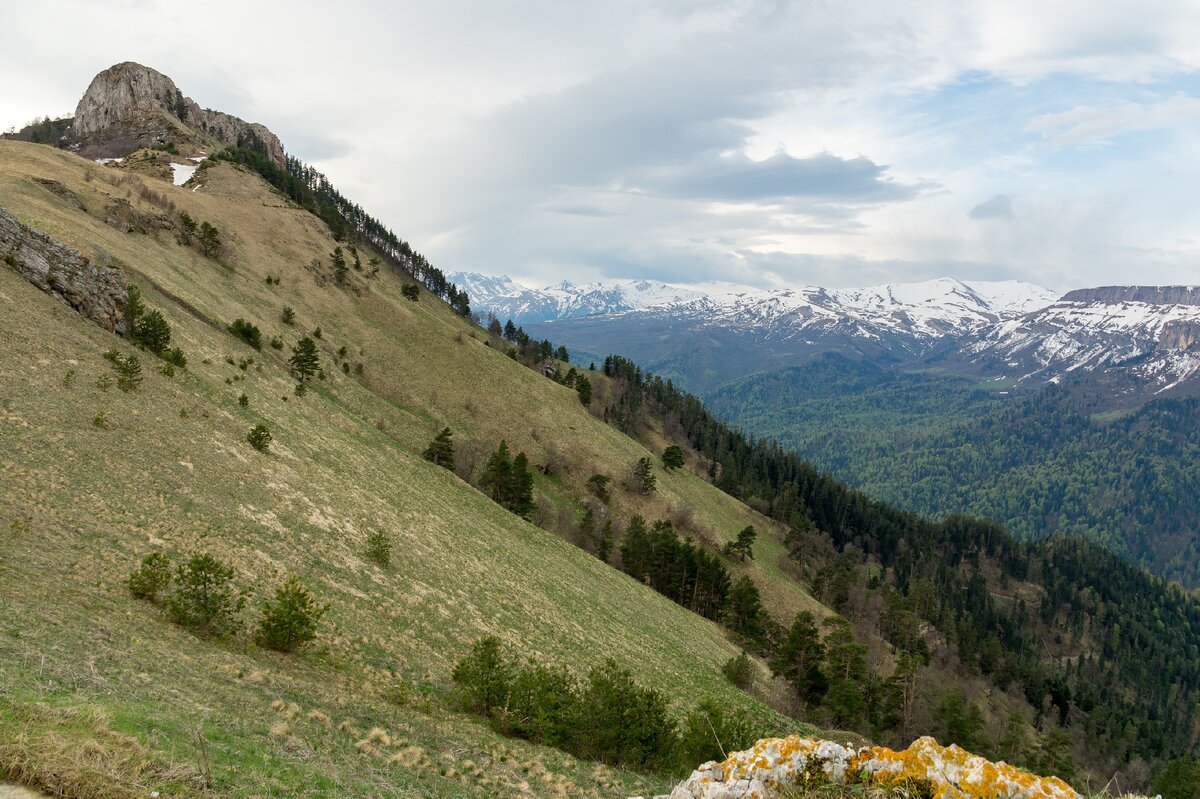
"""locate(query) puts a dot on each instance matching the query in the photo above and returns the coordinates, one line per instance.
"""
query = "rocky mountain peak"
(130, 105)
(128, 92)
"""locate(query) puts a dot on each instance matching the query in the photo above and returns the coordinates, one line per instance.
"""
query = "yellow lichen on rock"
(805, 763)
(956, 773)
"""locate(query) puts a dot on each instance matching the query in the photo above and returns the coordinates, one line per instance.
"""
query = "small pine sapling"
(289, 619)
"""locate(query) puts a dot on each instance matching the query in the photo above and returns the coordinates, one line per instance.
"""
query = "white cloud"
(1091, 124)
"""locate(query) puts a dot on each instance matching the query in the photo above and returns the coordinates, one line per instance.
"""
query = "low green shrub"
(247, 332)
(203, 596)
(290, 619)
(259, 437)
(151, 578)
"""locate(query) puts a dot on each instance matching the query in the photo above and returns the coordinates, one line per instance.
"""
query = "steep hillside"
(96, 478)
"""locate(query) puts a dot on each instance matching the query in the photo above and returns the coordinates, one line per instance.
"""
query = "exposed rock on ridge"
(941, 772)
(1153, 295)
(97, 292)
(132, 94)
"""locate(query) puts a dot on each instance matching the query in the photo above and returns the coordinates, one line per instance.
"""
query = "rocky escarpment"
(1151, 295)
(776, 765)
(1179, 335)
(130, 105)
(97, 292)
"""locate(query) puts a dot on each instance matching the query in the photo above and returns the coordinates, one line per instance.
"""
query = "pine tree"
(289, 619)
(562, 354)
(510, 331)
(134, 308)
(497, 474)
(846, 667)
(521, 490)
(340, 271)
(188, 226)
(441, 450)
(305, 361)
(587, 528)
(643, 476)
(210, 239)
(584, 387)
(153, 332)
(744, 614)
(672, 457)
(605, 544)
(799, 659)
(743, 547)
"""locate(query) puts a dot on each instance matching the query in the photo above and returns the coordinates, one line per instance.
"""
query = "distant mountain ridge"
(705, 339)
(1147, 337)
(507, 299)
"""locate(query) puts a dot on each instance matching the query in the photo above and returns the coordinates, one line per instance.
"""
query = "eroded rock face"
(1180, 335)
(941, 772)
(97, 292)
(130, 94)
(1152, 295)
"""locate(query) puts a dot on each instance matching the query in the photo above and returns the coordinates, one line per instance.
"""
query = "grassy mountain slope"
(86, 668)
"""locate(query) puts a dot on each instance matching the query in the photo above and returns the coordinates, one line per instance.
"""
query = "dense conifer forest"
(1042, 463)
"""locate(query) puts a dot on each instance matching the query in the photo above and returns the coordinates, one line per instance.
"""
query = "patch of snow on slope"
(182, 173)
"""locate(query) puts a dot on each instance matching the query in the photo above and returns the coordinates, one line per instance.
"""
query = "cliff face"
(130, 94)
(95, 291)
(1180, 335)
(1153, 295)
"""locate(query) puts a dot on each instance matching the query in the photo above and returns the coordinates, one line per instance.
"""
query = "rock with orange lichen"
(925, 768)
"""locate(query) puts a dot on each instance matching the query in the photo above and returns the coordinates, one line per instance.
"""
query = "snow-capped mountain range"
(507, 299)
(1150, 332)
(923, 312)
(1147, 335)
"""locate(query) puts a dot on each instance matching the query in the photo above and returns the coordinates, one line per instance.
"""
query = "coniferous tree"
(521, 491)
(672, 457)
(743, 547)
(562, 354)
(134, 308)
(441, 450)
(153, 332)
(340, 270)
(598, 485)
(584, 387)
(587, 528)
(643, 476)
(510, 331)
(210, 239)
(846, 668)
(745, 613)
(799, 659)
(187, 226)
(497, 475)
(605, 543)
(305, 361)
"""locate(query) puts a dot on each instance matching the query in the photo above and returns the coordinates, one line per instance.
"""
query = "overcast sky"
(775, 143)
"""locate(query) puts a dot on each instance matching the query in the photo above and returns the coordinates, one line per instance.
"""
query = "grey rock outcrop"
(97, 292)
(131, 94)
(1152, 295)
(1179, 335)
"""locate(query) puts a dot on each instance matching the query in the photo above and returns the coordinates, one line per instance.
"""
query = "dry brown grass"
(69, 752)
